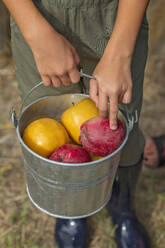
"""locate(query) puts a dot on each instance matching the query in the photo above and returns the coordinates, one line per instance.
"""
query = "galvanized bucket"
(59, 189)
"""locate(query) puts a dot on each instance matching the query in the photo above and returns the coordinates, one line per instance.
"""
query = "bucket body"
(66, 190)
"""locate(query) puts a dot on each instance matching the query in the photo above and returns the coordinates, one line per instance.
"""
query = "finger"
(102, 105)
(151, 161)
(76, 57)
(46, 80)
(113, 111)
(149, 144)
(147, 162)
(74, 75)
(65, 79)
(150, 147)
(56, 81)
(127, 96)
(94, 91)
(121, 98)
(149, 153)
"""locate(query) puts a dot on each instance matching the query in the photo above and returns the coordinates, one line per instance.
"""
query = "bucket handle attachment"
(131, 119)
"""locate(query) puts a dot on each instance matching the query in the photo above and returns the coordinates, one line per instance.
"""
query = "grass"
(23, 226)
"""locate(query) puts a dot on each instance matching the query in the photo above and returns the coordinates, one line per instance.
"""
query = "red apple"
(97, 137)
(70, 153)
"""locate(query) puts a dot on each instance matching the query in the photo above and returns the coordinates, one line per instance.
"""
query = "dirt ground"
(21, 224)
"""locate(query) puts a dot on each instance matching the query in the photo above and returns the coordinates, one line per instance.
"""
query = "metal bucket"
(60, 189)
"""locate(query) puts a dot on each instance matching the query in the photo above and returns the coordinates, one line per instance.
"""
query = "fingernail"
(113, 127)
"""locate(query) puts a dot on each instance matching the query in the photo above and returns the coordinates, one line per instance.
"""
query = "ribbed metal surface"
(60, 189)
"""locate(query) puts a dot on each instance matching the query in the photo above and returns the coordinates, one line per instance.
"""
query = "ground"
(21, 224)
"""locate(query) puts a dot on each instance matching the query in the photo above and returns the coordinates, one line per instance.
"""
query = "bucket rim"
(70, 164)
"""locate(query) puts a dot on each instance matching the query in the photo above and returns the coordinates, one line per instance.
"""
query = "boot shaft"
(124, 187)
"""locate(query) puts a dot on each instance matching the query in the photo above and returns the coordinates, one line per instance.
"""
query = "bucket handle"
(41, 83)
(131, 119)
(13, 116)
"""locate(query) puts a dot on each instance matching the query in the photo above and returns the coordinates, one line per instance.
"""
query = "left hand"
(113, 83)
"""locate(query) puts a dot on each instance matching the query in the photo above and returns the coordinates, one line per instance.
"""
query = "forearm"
(27, 17)
(128, 21)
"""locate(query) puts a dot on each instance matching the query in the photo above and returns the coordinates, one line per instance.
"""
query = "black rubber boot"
(129, 233)
(71, 233)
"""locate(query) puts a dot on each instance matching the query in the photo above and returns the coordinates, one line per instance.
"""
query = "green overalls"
(88, 25)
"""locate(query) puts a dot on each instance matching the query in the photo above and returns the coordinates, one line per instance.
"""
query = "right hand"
(55, 57)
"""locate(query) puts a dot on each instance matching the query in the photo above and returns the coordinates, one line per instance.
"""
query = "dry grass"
(22, 225)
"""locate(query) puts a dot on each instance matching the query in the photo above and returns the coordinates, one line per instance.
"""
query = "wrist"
(119, 48)
(118, 54)
(39, 31)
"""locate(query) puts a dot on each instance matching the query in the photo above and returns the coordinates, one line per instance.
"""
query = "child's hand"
(113, 84)
(55, 57)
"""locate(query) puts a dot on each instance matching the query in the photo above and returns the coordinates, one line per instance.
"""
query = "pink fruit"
(70, 153)
(97, 138)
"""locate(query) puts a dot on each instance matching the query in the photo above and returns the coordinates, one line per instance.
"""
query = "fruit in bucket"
(94, 157)
(70, 153)
(75, 116)
(45, 135)
(98, 139)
